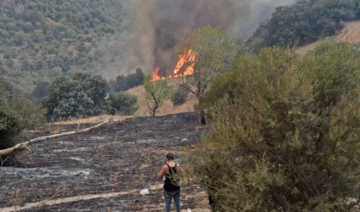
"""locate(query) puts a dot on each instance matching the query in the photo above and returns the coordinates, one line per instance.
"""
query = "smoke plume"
(154, 27)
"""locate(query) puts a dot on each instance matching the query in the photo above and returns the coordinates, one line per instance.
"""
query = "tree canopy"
(81, 96)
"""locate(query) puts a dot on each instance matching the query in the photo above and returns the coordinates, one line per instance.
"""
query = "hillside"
(350, 33)
(304, 22)
(41, 40)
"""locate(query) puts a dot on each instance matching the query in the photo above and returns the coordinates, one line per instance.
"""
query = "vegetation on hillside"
(284, 135)
(44, 39)
(123, 83)
(303, 22)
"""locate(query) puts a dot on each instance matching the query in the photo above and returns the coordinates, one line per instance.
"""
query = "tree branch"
(24, 145)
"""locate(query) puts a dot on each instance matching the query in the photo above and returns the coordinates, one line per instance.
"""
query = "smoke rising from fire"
(154, 27)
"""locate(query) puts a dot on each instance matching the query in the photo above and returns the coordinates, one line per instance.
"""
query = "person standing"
(171, 171)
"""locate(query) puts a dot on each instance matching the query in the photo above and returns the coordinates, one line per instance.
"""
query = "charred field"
(102, 170)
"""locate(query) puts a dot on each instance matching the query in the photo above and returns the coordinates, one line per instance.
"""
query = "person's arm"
(162, 172)
(182, 172)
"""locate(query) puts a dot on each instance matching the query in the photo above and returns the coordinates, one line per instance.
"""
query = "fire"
(155, 74)
(187, 59)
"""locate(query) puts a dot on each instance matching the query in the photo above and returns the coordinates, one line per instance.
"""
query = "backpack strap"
(169, 167)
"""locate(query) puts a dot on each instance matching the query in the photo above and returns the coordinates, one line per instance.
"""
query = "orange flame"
(156, 76)
(187, 59)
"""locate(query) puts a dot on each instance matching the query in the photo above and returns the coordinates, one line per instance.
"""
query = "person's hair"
(170, 156)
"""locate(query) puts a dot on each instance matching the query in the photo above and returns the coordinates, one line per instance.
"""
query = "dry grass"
(350, 33)
(95, 119)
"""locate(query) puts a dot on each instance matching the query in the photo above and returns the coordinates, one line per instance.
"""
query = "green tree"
(81, 96)
(156, 93)
(287, 140)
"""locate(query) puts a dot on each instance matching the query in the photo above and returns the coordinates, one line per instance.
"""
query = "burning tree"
(207, 52)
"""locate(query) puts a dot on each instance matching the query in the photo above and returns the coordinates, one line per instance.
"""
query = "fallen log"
(24, 145)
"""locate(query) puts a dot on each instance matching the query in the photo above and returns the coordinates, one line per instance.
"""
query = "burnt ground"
(103, 170)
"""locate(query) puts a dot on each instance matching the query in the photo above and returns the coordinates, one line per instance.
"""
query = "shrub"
(9, 129)
(288, 139)
(16, 114)
(179, 96)
(123, 103)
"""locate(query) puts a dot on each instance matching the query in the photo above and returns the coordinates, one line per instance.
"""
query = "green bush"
(16, 114)
(179, 96)
(123, 83)
(9, 129)
(288, 138)
(123, 103)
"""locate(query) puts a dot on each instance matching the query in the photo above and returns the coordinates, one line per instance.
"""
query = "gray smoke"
(153, 28)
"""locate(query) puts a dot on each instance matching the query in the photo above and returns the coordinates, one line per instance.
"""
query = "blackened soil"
(119, 157)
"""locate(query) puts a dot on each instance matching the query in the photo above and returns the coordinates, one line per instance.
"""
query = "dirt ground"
(103, 170)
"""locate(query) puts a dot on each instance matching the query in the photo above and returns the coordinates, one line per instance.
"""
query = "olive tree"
(287, 138)
(156, 92)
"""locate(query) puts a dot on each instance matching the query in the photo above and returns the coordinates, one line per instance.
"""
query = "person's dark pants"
(168, 197)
